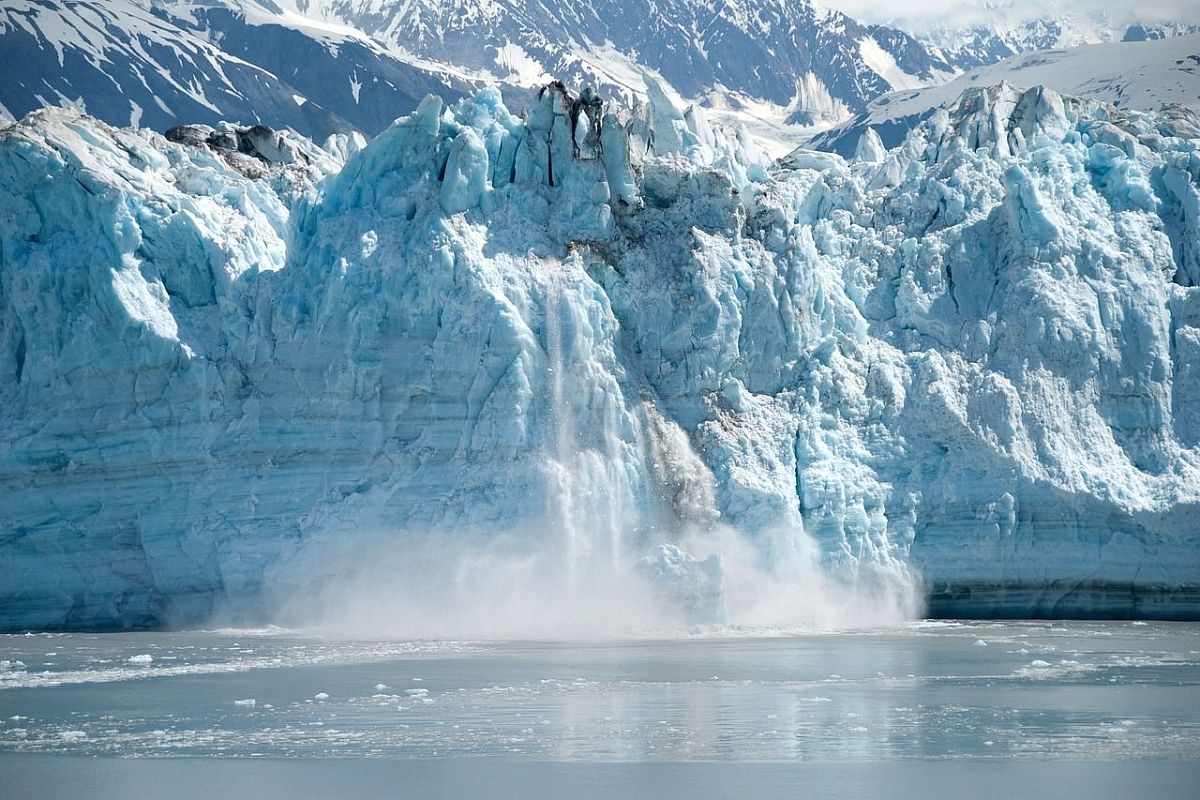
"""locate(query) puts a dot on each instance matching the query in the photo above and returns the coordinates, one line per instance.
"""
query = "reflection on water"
(942, 690)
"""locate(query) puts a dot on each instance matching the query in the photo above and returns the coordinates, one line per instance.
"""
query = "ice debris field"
(507, 361)
(919, 689)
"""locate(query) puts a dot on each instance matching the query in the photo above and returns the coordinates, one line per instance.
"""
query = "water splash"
(627, 541)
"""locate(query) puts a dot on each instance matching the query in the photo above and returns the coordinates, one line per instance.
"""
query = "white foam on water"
(302, 654)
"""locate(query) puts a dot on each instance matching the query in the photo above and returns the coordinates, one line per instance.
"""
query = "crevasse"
(626, 341)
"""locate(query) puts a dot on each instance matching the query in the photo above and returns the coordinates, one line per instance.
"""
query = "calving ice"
(580, 363)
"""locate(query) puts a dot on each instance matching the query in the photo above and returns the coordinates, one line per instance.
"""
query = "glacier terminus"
(613, 349)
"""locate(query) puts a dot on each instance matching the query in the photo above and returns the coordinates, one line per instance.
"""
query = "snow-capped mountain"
(759, 48)
(1162, 30)
(975, 33)
(232, 362)
(980, 46)
(159, 65)
(337, 65)
(785, 69)
(1139, 75)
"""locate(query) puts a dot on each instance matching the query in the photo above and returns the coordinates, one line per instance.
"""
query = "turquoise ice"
(974, 358)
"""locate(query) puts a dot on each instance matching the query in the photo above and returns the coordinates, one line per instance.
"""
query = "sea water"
(1087, 707)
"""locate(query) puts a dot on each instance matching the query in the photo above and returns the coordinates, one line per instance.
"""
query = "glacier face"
(973, 356)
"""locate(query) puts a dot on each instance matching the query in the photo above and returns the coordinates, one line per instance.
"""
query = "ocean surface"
(973, 709)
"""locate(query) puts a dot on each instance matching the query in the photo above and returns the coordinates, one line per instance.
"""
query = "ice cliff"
(231, 360)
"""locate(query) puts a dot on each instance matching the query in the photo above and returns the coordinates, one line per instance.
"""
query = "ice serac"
(224, 373)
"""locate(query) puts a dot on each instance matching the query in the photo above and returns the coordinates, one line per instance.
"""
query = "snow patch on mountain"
(814, 105)
(883, 64)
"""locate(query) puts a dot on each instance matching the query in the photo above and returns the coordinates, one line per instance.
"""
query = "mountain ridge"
(1142, 76)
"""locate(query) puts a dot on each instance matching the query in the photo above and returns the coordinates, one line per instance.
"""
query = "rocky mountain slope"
(326, 66)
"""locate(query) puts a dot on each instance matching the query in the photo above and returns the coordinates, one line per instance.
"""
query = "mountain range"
(1135, 75)
(335, 66)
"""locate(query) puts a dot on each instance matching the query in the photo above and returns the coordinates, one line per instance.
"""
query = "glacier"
(238, 367)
